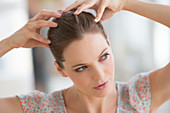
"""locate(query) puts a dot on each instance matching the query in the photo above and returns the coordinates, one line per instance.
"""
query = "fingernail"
(55, 24)
(48, 41)
(96, 20)
(59, 14)
(76, 12)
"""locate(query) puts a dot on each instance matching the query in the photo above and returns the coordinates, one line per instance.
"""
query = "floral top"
(134, 96)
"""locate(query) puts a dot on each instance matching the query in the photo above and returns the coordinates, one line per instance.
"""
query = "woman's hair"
(71, 27)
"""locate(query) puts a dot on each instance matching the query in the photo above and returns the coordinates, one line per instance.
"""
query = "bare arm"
(160, 84)
(10, 105)
(3, 46)
(28, 36)
(107, 8)
(156, 12)
(160, 87)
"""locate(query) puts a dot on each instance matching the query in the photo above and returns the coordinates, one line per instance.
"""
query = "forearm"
(156, 12)
(5, 46)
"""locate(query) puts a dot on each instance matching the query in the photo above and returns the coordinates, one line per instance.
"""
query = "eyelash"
(84, 67)
(105, 56)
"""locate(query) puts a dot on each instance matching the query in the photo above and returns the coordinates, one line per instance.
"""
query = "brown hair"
(71, 27)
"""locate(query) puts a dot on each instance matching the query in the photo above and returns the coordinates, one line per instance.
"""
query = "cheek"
(80, 80)
(82, 83)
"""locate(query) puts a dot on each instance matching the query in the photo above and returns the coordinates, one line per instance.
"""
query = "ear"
(107, 39)
(59, 69)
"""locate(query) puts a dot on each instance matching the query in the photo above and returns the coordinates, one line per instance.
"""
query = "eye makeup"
(102, 58)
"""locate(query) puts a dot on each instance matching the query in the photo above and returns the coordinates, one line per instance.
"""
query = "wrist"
(5, 46)
(11, 43)
(129, 4)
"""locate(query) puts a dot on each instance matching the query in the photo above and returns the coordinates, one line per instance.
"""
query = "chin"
(102, 94)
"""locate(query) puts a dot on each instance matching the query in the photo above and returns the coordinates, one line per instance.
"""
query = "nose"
(98, 73)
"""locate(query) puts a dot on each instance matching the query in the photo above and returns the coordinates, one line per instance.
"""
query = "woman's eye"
(104, 56)
(81, 69)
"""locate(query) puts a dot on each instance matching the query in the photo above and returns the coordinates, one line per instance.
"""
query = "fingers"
(83, 7)
(39, 38)
(39, 44)
(99, 14)
(45, 15)
(34, 26)
(107, 14)
(100, 11)
(34, 43)
(72, 6)
(42, 23)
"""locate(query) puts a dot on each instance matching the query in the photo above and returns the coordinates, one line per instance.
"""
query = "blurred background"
(138, 44)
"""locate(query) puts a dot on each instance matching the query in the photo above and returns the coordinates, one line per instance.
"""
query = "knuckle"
(42, 11)
(54, 13)
(80, 8)
(39, 22)
(51, 23)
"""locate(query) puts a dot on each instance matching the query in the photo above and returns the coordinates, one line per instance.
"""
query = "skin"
(28, 37)
(104, 8)
(107, 8)
(160, 87)
(99, 69)
(159, 79)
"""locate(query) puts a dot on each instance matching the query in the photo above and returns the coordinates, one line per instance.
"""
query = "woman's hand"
(104, 8)
(29, 35)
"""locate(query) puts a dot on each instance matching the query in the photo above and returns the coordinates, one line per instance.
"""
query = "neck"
(92, 104)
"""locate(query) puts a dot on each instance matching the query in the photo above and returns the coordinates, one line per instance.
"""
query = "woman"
(89, 65)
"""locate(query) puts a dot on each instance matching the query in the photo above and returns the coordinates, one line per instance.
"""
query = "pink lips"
(102, 86)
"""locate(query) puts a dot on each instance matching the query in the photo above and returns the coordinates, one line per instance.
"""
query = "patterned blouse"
(134, 96)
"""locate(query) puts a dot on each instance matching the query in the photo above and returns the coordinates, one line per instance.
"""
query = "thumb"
(40, 44)
(106, 15)
(99, 12)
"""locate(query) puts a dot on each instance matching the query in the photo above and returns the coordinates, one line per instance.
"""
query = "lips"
(101, 86)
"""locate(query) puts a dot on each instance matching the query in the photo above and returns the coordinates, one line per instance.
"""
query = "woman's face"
(89, 63)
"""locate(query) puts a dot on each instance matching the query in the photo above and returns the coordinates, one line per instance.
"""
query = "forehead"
(85, 50)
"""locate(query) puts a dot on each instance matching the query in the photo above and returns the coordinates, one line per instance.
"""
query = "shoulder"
(38, 101)
(134, 95)
(34, 101)
(10, 105)
(160, 86)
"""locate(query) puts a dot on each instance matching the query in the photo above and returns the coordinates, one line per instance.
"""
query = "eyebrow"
(84, 64)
